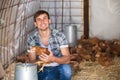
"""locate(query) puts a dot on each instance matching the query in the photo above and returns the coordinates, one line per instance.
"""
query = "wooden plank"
(86, 19)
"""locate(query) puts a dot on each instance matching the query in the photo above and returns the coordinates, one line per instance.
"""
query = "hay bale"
(95, 71)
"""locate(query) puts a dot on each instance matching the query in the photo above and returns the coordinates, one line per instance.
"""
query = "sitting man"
(58, 67)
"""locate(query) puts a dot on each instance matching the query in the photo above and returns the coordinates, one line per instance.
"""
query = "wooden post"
(86, 19)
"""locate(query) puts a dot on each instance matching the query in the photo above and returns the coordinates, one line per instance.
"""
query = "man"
(55, 41)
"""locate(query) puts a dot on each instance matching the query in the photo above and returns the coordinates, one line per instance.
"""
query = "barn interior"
(91, 28)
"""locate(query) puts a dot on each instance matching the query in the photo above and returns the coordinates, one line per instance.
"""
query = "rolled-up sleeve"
(62, 40)
(30, 42)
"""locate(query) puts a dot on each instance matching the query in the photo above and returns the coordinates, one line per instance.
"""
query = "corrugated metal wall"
(16, 22)
(64, 13)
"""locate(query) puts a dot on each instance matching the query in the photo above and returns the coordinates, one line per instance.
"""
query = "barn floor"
(95, 71)
(87, 71)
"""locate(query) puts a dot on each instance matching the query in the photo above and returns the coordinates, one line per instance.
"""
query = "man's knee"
(66, 71)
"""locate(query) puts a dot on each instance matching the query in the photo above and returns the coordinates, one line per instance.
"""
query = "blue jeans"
(61, 72)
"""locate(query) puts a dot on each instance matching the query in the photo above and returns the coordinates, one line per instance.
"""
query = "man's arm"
(65, 59)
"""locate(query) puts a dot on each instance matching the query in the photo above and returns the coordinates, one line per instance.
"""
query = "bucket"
(71, 35)
(26, 71)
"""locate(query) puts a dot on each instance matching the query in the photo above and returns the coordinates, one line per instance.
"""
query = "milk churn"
(71, 35)
(26, 71)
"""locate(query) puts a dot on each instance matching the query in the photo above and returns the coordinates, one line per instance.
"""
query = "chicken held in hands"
(40, 51)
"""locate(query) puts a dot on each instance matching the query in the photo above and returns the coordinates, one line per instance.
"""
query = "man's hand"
(47, 58)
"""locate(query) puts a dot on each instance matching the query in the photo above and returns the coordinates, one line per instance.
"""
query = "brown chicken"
(105, 59)
(84, 53)
(24, 58)
(74, 65)
(75, 57)
(39, 51)
(115, 49)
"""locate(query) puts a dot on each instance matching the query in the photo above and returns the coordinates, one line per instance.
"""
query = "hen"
(105, 58)
(24, 58)
(39, 51)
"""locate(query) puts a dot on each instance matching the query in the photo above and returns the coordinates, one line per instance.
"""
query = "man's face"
(42, 22)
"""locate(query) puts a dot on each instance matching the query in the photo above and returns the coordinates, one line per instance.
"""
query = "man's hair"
(39, 13)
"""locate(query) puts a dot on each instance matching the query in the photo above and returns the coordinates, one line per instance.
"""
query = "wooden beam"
(86, 19)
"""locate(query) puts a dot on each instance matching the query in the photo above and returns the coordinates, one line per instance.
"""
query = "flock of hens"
(92, 49)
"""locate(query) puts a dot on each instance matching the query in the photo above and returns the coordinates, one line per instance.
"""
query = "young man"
(55, 41)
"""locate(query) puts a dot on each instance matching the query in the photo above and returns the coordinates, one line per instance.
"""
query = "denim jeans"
(61, 72)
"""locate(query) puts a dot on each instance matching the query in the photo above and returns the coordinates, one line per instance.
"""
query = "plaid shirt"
(56, 41)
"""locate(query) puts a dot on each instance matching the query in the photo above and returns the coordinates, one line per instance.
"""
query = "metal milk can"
(26, 71)
(71, 35)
